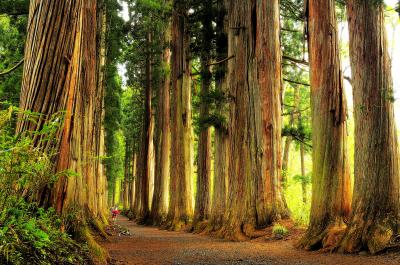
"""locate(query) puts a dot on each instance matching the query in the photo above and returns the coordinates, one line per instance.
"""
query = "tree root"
(322, 239)
(200, 227)
(239, 233)
(372, 235)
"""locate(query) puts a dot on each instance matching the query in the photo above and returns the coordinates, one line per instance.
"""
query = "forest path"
(149, 245)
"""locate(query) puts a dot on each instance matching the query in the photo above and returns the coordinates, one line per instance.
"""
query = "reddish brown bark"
(221, 144)
(162, 140)
(145, 159)
(180, 206)
(375, 217)
(63, 77)
(331, 191)
(254, 76)
(202, 206)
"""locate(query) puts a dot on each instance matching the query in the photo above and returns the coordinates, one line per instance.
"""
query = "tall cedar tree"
(331, 197)
(162, 135)
(202, 206)
(375, 209)
(147, 135)
(221, 149)
(180, 205)
(60, 75)
(254, 77)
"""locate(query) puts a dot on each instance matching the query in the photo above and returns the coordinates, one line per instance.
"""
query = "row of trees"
(236, 45)
(217, 65)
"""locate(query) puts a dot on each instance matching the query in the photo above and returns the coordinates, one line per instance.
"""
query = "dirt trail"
(149, 245)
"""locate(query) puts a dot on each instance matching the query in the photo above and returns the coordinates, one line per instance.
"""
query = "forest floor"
(149, 245)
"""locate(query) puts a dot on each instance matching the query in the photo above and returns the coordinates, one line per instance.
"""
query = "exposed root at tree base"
(324, 240)
(200, 227)
(177, 225)
(373, 236)
(239, 233)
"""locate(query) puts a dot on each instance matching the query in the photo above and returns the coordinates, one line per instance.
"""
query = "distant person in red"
(114, 213)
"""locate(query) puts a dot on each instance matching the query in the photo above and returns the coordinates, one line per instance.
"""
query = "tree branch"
(222, 61)
(6, 72)
(295, 82)
(304, 62)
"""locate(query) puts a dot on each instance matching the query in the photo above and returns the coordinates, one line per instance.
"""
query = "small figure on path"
(114, 213)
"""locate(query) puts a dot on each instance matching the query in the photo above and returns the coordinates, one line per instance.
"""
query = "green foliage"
(113, 93)
(303, 179)
(14, 7)
(30, 234)
(12, 39)
(279, 231)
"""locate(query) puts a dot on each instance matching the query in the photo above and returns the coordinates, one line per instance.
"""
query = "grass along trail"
(149, 245)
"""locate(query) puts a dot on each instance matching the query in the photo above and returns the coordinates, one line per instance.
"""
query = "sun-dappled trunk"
(60, 75)
(132, 189)
(375, 217)
(331, 191)
(180, 206)
(162, 138)
(145, 170)
(127, 175)
(254, 74)
(202, 205)
(100, 109)
(221, 146)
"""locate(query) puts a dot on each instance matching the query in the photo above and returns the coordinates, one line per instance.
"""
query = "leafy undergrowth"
(32, 235)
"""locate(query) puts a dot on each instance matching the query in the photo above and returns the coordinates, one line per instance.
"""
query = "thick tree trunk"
(255, 119)
(180, 206)
(100, 109)
(331, 191)
(202, 206)
(60, 74)
(375, 217)
(221, 142)
(145, 170)
(61, 79)
(162, 139)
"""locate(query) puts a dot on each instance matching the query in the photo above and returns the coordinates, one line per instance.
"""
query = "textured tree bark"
(180, 206)
(303, 173)
(255, 119)
(138, 181)
(202, 206)
(132, 190)
(100, 109)
(221, 144)
(127, 176)
(145, 170)
(162, 139)
(60, 74)
(375, 217)
(331, 191)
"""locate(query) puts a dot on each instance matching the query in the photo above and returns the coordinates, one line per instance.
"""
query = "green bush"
(279, 231)
(30, 234)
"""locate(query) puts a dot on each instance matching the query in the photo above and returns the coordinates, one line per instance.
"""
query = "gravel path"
(149, 245)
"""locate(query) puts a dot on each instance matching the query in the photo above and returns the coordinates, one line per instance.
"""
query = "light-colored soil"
(149, 245)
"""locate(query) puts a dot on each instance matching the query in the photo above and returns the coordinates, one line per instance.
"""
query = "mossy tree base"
(372, 235)
(322, 238)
